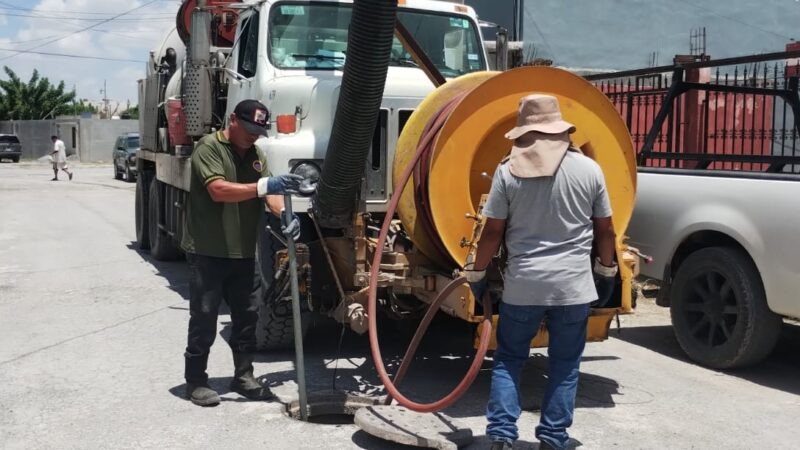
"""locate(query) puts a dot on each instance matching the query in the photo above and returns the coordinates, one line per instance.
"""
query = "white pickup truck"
(717, 185)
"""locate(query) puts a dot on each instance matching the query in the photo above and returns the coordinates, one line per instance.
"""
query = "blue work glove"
(279, 185)
(604, 281)
(293, 229)
(477, 282)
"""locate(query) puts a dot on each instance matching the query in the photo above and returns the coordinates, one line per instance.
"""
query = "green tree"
(35, 100)
(130, 113)
(81, 107)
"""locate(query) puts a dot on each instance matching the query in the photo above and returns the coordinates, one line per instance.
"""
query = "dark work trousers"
(212, 280)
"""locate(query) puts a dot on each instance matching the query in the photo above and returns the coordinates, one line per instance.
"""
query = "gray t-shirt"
(549, 231)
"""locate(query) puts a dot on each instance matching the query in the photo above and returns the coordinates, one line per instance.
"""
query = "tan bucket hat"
(541, 137)
(539, 112)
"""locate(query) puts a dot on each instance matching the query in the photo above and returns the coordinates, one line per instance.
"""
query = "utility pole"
(105, 100)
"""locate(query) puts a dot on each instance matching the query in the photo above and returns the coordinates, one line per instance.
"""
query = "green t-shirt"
(222, 230)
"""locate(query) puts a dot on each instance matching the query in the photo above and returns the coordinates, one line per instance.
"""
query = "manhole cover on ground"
(398, 424)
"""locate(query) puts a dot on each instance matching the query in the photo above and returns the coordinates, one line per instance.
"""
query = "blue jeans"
(516, 328)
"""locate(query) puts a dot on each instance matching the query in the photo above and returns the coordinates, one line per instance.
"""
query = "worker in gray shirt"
(550, 203)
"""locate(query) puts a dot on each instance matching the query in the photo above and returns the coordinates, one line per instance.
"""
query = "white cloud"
(130, 37)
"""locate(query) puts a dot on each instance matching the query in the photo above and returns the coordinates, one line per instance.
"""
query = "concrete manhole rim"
(328, 403)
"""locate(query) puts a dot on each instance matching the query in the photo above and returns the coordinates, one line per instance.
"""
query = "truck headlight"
(308, 170)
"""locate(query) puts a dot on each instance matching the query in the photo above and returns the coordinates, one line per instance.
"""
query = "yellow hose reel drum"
(472, 143)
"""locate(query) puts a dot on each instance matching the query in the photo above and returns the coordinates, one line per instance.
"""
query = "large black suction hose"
(369, 45)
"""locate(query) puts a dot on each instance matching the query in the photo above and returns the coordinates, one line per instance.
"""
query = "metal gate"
(735, 114)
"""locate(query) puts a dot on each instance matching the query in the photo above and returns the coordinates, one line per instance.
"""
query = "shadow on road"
(780, 370)
(175, 272)
(442, 360)
(367, 441)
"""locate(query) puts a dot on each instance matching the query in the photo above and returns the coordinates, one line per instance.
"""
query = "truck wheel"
(719, 309)
(275, 328)
(117, 173)
(141, 216)
(16, 159)
(162, 247)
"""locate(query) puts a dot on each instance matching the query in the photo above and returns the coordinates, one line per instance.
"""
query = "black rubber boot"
(244, 383)
(202, 395)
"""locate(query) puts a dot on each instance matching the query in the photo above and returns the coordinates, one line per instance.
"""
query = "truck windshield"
(133, 143)
(314, 36)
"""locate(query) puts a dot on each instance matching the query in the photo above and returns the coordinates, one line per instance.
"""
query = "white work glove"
(604, 282)
(474, 276)
(279, 185)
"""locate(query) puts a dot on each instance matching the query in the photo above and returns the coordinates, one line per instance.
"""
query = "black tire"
(275, 329)
(719, 309)
(117, 173)
(129, 176)
(162, 247)
(141, 210)
(16, 159)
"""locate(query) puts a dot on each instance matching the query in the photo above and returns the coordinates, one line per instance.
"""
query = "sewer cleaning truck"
(390, 107)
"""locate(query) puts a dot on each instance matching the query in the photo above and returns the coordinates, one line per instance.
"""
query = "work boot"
(244, 383)
(501, 445)
(54, 179)
(202, 395)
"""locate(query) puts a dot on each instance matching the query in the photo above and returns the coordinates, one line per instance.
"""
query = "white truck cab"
(290, 56)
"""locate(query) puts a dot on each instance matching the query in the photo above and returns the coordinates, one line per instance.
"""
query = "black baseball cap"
(253, 115)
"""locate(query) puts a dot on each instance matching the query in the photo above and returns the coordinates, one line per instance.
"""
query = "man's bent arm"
(223, 191)
(605, 238)
(489, 243)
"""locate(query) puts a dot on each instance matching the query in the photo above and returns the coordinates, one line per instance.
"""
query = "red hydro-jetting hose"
(426, 142)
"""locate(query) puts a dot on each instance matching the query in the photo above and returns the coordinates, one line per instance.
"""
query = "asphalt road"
(93, 334)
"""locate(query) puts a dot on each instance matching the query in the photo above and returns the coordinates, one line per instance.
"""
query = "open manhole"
(331, 407)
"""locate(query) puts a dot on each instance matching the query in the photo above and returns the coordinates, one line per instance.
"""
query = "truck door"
(245, 60)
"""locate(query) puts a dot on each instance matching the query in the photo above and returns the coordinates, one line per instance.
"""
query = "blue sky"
(622, 34)
(600, 34)
(28, 24)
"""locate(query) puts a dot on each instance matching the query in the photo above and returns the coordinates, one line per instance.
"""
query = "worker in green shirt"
(230, 183)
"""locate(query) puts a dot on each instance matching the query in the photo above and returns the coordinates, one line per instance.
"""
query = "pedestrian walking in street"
(59, 157)
(230, 181)
(550, 203)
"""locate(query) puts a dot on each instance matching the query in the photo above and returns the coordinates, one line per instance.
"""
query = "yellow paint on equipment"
(472, 142)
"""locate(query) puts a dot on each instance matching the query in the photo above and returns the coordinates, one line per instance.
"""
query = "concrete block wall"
(34, 135)
(97, 137)
(93, 138)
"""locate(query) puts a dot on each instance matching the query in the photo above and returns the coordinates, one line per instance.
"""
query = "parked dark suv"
(10, 148)
(124, 156)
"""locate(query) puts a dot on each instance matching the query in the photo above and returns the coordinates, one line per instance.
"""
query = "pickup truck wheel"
(117, 173)
(162, 247)
(141, 217)
(16, 159)
(719, 309)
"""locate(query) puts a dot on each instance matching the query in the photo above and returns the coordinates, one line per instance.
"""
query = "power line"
(20, 8)
(733, 19)
(67, 55)
(137, 19)
(78, 31)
